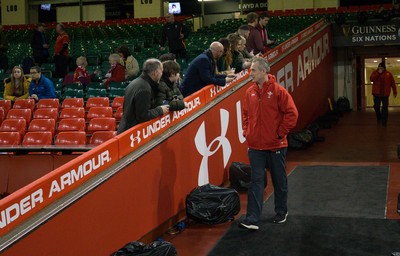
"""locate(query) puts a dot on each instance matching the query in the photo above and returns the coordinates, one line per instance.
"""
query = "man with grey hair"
(139, 103)
(269, 113)
(202, 71)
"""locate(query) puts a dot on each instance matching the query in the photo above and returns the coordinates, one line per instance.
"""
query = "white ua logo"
(204, 150)
(134, 139)
(269, 94)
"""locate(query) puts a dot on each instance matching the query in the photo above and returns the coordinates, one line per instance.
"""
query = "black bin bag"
(156, 248)
(210, 204)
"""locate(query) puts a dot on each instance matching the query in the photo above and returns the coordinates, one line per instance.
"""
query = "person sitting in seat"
(168, 91)
(80, 74)
(17, 85)
(128, 61)
(40, 87)
(116, 73)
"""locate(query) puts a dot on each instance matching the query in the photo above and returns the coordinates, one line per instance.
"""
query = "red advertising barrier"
(27, 201)
(153, 188)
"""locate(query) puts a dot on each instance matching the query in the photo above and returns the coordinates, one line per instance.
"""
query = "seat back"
(24, 113)
(73, 103)
(118, 114)
(10, 138)
(71, 124)
(99, 112)
(42, 125)
(48, 103)
(6, 105)
(101, 124)
(117, 102)
(97, 102)
(42, 113)
(24, 103)
(37, 139)
(72, 138)
(72, 113)
(14, 125)
(100, 137)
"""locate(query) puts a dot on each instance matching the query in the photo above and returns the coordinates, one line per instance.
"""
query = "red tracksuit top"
(268, 115)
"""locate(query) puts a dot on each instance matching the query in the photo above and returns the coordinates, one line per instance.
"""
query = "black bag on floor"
(300, 140)
(156, 248)
(343, 104)
(240, 176)
(210, 204)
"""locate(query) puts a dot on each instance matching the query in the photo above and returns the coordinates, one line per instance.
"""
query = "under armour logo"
(134, 139)
(269, 94)
(205, 151)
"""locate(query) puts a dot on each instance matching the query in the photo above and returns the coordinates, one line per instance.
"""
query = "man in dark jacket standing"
(3, 50)
(383, 81)
(269, 113)
(175, 33)
(202, 71)
(139, 103)
(40, 45)
(61, 51)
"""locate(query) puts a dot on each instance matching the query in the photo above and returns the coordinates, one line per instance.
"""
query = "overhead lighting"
(375, 61)
(209, 0)
(398, 60)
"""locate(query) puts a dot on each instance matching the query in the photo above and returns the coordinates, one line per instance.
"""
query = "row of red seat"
(45, 138)
(49, 118)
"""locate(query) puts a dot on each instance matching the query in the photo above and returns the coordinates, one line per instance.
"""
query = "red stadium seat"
(74, 138)
(118, 114)
(73, 103)
(2, 115)
(101, 136)
(42, 125)
(117, 102)
(6, 105)
(24, 103)
(71, 124)
(51, 113)
(10, 138)
(99, 112)
(97, 102)
(101, 124)
(72, 113)
(14, 125)
(24, 113)
(37, 139)
(48, 103)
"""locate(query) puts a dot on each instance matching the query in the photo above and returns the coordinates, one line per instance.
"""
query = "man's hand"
(395, 94)
(229, 78)
(162, 48)
(34, 96)
(165, 109)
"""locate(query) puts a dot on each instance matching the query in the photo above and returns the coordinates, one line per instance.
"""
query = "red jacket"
(268, 116)
(117, 74)
(382, 83)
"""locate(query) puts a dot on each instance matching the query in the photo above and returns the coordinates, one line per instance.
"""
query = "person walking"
(269, 113)
(382, 81)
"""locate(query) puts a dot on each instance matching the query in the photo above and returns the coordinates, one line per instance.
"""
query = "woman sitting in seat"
(17, 85)
(116, 73)
(128, 61)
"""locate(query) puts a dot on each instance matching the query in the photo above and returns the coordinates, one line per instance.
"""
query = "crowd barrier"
(128, 186)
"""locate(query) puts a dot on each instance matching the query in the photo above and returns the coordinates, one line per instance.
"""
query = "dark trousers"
(276, 163)
(61, 66)
(3, 62)
(180, 54)
(40, 60)
(381, 115)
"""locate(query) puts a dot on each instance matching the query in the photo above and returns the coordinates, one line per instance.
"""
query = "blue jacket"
(44, 89)
(201, 72)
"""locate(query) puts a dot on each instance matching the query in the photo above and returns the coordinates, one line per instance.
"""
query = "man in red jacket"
(382, 82)
(269, 113)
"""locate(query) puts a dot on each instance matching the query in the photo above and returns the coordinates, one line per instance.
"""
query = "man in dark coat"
(139, 103)
(202, 71)
(40, 45)
(175, 33)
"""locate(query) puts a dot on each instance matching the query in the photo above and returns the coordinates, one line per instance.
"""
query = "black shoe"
(247, 225)
(280, 218)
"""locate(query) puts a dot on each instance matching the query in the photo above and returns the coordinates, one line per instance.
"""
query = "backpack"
(210, 204)
(300, 140)
(343, 104)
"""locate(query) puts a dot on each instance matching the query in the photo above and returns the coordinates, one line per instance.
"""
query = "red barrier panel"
(30, 199)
